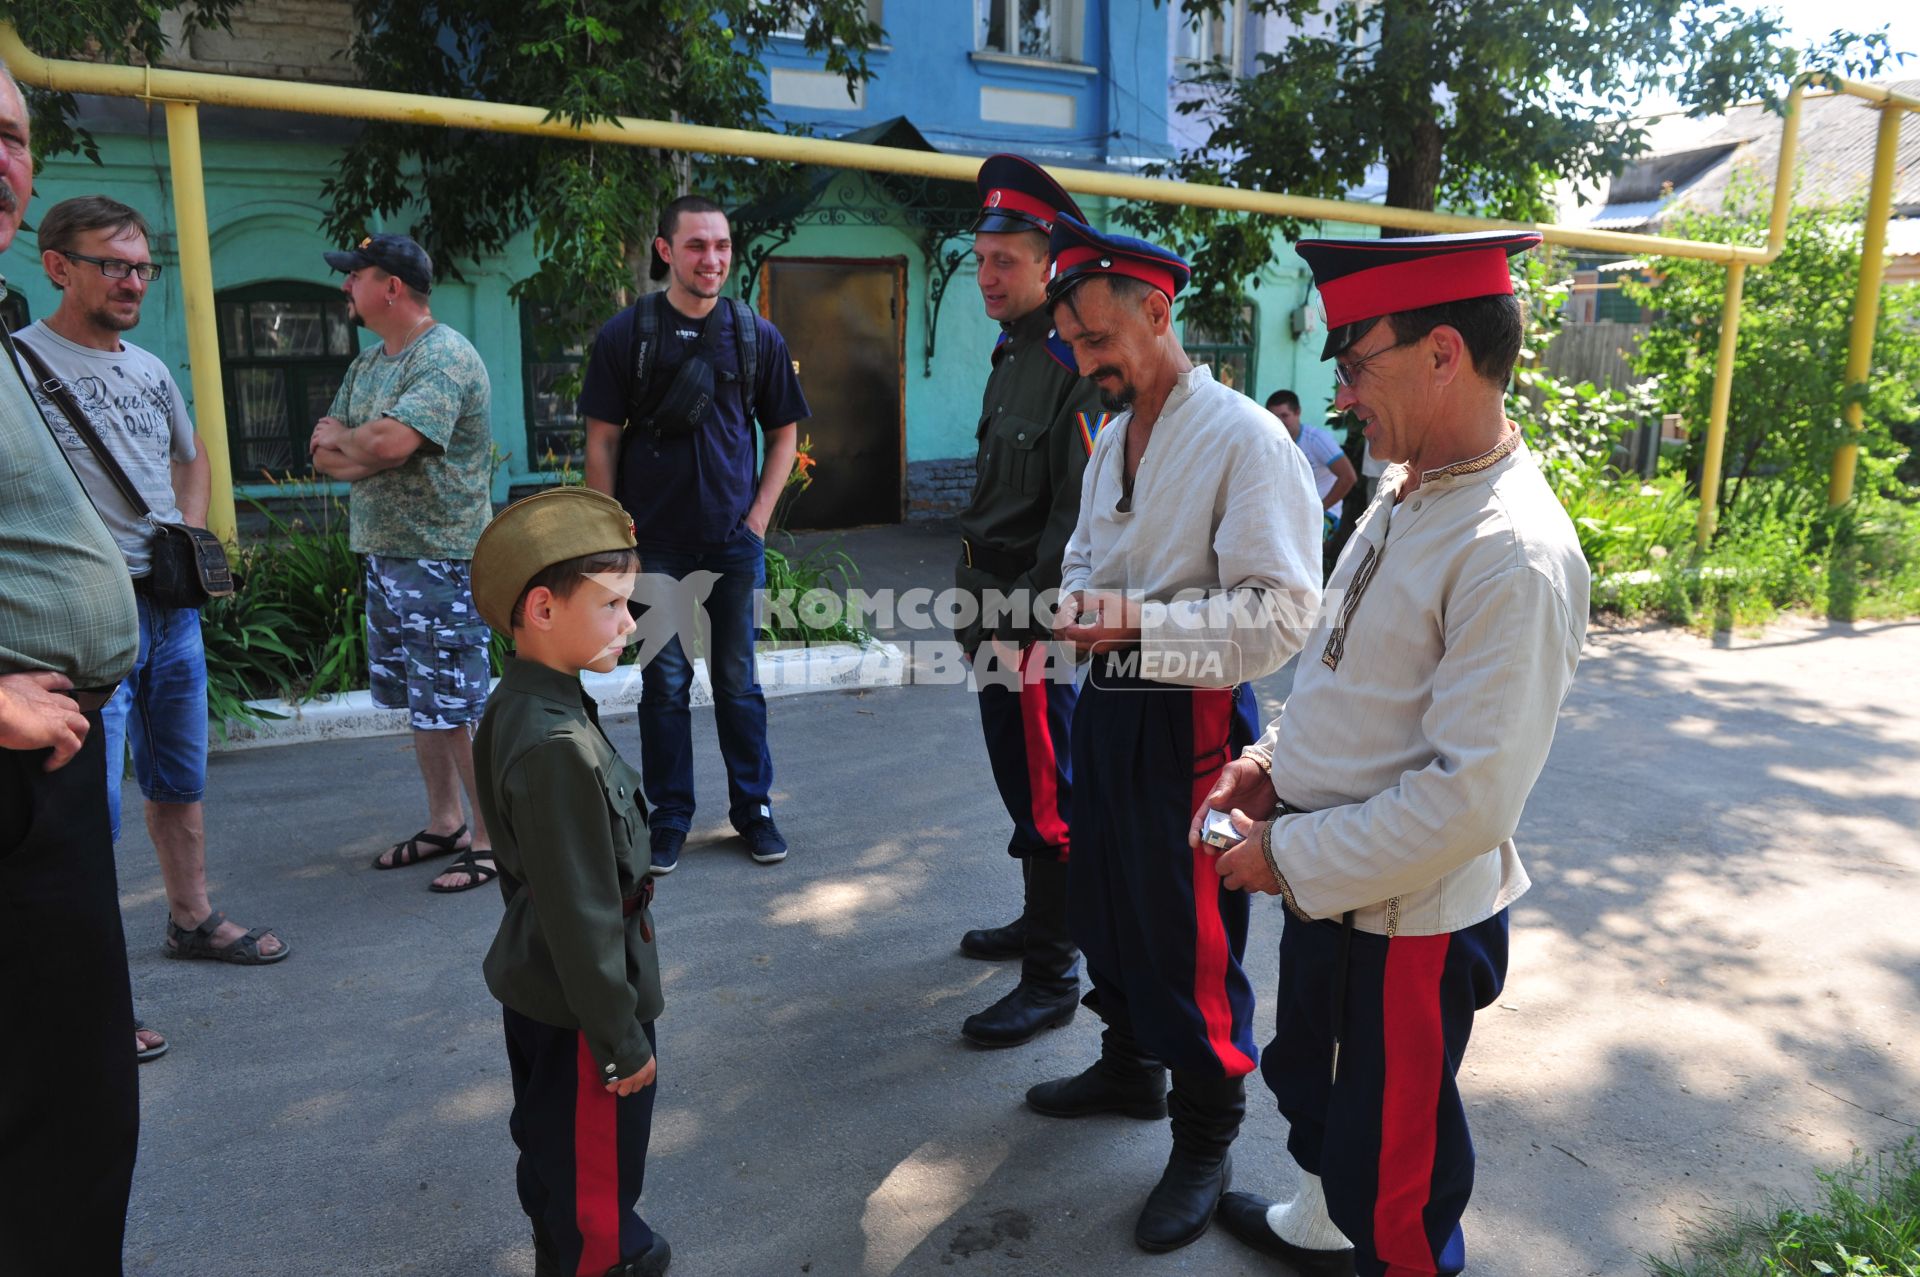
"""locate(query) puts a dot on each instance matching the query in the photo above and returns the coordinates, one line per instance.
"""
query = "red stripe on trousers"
(1043, 791)
(596, 1166)
(1212, 711)
(1415, 1054)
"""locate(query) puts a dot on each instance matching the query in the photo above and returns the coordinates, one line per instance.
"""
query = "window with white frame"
(1028, 28)
(1209, 41)
(803, 17)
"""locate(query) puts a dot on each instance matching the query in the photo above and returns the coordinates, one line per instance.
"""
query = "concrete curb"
(831, 667)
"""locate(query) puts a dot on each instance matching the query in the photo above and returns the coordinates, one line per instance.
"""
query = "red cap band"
(1411, 285)
(1005, 198)
(1121, 264)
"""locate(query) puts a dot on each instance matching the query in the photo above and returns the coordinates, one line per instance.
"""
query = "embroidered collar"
(1485, 461)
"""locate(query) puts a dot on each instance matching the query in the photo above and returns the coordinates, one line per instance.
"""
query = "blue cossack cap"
(1080, 253)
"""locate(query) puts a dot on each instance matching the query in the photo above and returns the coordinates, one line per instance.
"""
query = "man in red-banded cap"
(1038, 421)
(1381, 806)
(1192, 572)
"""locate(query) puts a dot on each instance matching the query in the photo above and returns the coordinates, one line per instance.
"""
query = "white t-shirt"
(1322, 450)
(134, 406)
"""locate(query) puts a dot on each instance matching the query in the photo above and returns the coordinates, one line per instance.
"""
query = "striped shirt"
(66, 601)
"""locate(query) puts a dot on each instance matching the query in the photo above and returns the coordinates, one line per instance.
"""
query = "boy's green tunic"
(566, 817)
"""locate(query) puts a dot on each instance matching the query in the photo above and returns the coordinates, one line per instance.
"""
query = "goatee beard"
(1119, 401)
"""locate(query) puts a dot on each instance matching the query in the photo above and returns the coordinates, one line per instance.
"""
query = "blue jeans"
(164, 699)
(736, 571)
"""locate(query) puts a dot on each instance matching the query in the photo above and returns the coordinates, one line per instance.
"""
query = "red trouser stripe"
(1212, 713)
(1042, 769)
(1414, 1057)
(596, 1167)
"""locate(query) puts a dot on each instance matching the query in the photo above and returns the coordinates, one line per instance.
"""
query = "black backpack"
(683, 405)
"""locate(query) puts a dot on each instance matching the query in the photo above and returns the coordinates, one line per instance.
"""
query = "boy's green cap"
(537, 532)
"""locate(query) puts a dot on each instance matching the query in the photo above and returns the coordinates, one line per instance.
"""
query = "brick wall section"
(274, 39)
(938, 489)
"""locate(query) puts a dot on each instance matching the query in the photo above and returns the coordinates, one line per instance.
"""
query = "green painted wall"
(264, 205)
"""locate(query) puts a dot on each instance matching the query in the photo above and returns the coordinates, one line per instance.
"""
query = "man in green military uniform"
(1037, 425)
(574, 963)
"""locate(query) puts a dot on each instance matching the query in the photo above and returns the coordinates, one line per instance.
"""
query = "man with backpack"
(672, 392)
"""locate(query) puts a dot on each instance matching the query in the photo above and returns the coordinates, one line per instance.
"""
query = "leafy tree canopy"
(1789, 373)
(112, 30)
(1470, 105)
(591, 207)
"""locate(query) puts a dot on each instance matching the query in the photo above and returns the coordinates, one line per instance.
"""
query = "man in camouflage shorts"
(409, 427)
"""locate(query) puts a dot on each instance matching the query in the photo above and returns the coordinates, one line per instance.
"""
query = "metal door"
(844, 321)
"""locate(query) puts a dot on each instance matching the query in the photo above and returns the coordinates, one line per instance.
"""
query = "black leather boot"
(1123, 1080)
(544, 1264)
(1206, 1116)
(997, 944)
(651, 1264)
(1049, 990)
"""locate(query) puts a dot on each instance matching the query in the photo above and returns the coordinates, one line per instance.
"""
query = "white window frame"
(1227, 28)
(798, 31)
(1064, 20)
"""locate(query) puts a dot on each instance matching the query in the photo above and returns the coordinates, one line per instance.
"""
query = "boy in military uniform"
(574, 964)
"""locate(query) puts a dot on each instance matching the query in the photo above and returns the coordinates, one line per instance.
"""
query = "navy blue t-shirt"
(691, 491)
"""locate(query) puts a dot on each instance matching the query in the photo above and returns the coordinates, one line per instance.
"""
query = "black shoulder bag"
(189, 564)
(688, 399)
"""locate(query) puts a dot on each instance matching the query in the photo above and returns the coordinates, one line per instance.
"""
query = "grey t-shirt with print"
(134, 406)
(434, 504)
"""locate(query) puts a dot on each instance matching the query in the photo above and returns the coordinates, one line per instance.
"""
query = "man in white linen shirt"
(1381, 803)
(1193, 568)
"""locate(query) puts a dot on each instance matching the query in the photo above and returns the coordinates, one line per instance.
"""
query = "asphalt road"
(1712, 982)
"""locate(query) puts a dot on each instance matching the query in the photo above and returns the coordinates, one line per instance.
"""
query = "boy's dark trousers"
(583, 1152)
(69, 1101)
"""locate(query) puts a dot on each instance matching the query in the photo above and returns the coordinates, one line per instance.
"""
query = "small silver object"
(1219, 831)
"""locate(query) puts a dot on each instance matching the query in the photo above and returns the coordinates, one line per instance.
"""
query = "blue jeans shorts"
(160, 710)
(426, 646)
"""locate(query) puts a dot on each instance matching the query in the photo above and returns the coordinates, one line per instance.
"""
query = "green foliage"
(591, 207)
(1468, 105)
(1779, 547)
(1789, 380)
(117, 30)
(1866, 1223)
(822, 571)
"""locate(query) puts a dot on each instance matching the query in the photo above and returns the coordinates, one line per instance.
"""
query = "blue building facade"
(868, 275)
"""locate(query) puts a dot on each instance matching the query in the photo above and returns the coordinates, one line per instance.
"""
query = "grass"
(1865, 1223)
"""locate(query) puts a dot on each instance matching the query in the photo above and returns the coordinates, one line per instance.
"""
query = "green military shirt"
(434, 504)
(1037, 425)
(567, 823)
(66, 602)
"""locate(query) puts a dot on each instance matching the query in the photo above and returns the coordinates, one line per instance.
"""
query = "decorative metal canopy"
(935, 211)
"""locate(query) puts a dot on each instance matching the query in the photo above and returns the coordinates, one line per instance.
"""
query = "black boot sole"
(1058, 1019)
(1144, 1110)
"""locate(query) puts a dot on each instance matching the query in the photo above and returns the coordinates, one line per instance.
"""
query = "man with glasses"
(95, 252)
(1381, 805)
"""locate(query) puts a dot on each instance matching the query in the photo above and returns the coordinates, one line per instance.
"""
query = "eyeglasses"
(1348, 374)
(114, 268)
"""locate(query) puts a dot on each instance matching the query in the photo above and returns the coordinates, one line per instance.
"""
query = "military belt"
(986, 558)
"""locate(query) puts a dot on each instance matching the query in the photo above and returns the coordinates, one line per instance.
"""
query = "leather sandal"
(468, 863)
(142, 1054)
(422, 846)
(197, 942)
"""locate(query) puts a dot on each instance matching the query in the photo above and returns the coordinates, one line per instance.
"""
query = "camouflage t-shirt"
(434, 504)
